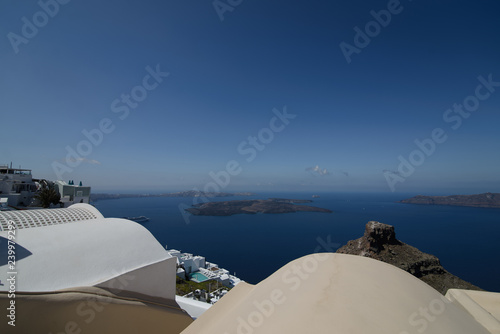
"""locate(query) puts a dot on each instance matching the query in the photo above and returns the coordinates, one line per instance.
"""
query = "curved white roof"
(90, 253)
(45, 217)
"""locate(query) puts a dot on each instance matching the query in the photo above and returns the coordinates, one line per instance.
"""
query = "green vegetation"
(48, 195)
(184, 287)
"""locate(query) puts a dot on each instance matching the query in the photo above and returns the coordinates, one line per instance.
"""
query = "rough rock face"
(377, 235)
(379, 242)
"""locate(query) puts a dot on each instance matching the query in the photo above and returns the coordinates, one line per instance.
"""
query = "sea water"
(254, 246)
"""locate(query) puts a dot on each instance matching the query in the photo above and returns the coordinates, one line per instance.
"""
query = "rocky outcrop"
(486, 200)
(379, 242)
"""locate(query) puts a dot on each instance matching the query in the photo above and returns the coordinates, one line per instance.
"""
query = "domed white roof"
(336, 293)
(44, 217)
(105, 252)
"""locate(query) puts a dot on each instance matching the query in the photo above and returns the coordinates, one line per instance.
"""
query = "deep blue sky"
(353, 120)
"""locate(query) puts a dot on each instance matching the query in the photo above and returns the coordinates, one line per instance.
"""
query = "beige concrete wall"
(90, 310)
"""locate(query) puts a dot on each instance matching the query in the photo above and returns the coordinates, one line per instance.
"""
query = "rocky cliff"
(379, 242)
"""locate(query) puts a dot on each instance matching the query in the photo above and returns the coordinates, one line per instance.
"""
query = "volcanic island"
(486, 200)
(271, 205)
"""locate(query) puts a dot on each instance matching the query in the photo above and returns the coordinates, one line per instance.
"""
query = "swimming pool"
(198, 277)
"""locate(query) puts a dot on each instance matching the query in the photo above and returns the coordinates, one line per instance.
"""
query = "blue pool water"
(198, 277)
(254, 246)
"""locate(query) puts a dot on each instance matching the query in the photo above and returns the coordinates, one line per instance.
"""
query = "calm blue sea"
(255, 246)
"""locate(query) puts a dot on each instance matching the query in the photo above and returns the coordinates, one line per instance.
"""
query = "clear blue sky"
(354, 120)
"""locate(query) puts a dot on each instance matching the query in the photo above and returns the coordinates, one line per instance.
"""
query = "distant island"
(189, 193)
(486, 200)
(272, 205)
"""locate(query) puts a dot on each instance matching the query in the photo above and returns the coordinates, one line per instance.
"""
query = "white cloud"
(265, 184)
(317, 171)
(386, 171)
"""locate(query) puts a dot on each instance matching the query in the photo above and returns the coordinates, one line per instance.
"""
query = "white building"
(19, 188)
(196, 268)
(189, 262)
(71, 194)
(16, 185)
(3, 203)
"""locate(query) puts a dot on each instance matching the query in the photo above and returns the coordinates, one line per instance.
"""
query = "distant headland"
(189, 193)
(486, 200)
(271, 205)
